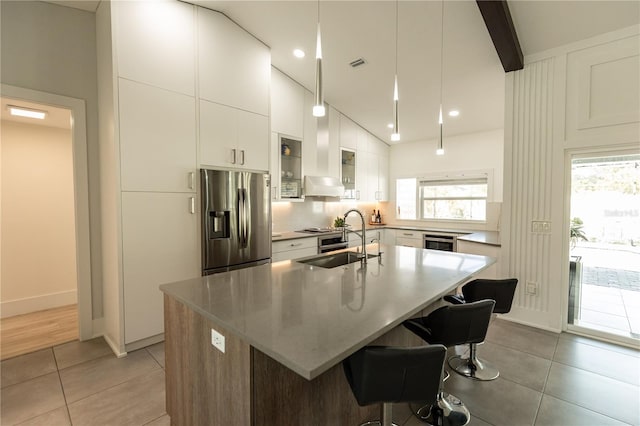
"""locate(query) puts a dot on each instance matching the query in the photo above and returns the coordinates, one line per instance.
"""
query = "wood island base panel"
(243, 386)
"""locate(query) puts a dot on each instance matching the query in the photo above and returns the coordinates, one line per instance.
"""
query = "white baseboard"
(38, 303)
(114, 347)
(530, 324)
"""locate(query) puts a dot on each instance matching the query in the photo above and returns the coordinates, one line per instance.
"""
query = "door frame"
(81, 193)
(570, 154)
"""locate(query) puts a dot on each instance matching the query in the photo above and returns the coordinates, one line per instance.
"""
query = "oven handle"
(440, 240)
(336, 246)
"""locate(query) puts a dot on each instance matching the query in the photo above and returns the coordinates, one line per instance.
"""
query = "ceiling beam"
(498, 21)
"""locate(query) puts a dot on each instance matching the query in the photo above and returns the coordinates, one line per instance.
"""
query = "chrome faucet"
(377, 240)
(364, 240)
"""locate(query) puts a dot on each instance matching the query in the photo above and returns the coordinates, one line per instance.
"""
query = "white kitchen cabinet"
(348, 133)
(309, 137)
(160, 245)
(330, 153)
(409, 238)
(234, 67)
(484, 250)
(293, 249)
(155, 43)
(157, 139)
(383, 177)
(348, 172)
(362, 176)
(287, 105)
(233, 138)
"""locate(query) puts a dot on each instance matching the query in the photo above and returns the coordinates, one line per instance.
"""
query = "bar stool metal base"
(473, 367)
(447, 411)
(386, 411)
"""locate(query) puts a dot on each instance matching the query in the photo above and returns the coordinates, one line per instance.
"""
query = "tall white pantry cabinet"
(180, 87)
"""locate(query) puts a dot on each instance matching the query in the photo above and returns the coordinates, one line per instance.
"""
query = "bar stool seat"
(502, 292)
(451, 325)
(382, 374)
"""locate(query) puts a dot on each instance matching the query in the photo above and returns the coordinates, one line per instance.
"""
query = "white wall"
(469, 152)
(55, 52)
(38, 218)
(579, 97)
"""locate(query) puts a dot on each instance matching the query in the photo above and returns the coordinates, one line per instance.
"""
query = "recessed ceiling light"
(298, 53)
(26, 112)
(454, 113)
(390, 125)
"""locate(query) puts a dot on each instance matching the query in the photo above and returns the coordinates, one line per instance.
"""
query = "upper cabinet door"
(287, 105)
(157, 139)
(348, 133)
(218, 135)
(253, 141)
(155, 43)
(234, 67)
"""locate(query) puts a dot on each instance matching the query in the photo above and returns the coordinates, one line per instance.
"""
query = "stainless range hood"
(322, 186)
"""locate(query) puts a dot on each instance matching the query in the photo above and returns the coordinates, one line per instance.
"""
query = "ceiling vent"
(357, 62)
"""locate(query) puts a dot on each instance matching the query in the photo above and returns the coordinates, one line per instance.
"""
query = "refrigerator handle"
(245, 232)
(242, 218)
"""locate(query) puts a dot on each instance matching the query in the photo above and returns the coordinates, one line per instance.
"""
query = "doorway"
(75, 109)
(604, 272)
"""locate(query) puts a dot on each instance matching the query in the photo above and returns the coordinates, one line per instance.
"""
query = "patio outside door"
(604, 274)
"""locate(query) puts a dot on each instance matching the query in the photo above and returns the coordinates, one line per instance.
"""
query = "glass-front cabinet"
(348, 173)
(290, 168)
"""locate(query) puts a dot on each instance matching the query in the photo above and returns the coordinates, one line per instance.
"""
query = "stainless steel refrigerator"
(236, 220)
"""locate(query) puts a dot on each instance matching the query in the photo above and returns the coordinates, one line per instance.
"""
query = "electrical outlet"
(532, 288)
(540, 227)
(217, 340)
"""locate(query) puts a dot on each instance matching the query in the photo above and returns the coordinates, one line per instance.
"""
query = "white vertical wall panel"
(530, 181)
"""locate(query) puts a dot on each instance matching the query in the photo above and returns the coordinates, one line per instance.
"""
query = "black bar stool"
(502, 292)
(381, 374)
(450, 326)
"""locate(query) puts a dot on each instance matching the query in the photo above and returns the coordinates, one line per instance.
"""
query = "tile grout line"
(64, 395)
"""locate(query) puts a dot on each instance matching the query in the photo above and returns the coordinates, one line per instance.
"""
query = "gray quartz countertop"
(482, 237)
(310, 318)
(491, 238)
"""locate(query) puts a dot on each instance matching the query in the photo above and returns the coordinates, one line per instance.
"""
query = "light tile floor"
(545, 379)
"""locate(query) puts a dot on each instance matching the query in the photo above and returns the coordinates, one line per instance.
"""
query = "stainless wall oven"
(440, 241)
(327, 243)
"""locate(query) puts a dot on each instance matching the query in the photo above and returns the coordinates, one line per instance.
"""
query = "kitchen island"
(287, 326)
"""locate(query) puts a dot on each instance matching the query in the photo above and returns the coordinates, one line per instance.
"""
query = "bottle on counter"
(378, 217)
(373, 216)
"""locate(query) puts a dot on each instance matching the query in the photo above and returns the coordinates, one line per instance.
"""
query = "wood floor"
(38, 330)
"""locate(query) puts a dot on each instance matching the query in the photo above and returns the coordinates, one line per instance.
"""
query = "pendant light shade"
(318, 107)
(395, 136)
(440, 149)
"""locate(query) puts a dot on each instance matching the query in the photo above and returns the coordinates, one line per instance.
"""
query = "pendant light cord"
(441, 49)
(396, 37)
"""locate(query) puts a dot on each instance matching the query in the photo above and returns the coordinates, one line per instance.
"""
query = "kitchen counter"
(481, 237)
(287, 326)
(310, 318)
(491, 238)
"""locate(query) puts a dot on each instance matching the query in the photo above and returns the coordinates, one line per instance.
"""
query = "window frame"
(478, 175)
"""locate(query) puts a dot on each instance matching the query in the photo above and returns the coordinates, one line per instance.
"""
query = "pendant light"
(440, 150)
(318, 107)
(395, 136)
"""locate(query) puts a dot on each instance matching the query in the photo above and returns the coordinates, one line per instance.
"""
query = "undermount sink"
(334, 260)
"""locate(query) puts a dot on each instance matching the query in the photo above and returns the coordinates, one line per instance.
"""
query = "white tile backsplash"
(289, 216)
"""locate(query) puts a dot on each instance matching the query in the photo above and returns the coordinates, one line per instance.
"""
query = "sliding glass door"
(604, 270)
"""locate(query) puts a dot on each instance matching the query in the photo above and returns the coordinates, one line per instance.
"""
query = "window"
(461, 198)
